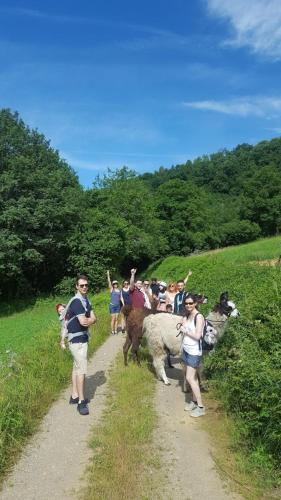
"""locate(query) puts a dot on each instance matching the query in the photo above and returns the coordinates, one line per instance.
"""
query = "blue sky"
(143, 83)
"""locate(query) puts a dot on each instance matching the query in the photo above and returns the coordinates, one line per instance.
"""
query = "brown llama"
(134, 322)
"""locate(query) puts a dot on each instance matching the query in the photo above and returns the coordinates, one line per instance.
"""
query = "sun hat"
(163, 283)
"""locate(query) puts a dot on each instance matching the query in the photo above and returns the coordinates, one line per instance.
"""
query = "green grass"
(33, 379)
(124, 465)
(173, 268)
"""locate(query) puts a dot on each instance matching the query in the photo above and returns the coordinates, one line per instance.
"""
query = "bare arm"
(109, 280)
(87, 321)
(187, 277)
(132, 279)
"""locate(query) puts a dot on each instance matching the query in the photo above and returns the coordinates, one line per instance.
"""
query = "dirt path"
(56, 457)
(184, 448)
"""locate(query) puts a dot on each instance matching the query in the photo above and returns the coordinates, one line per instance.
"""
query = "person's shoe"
(190, 406)
(73, 401)
(83, 408)
(123, 330)
(112, 333)
(199, 411)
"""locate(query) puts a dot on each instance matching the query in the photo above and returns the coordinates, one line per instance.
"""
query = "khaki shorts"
(79, 352)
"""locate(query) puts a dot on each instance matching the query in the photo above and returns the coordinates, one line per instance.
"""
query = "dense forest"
(51, 228)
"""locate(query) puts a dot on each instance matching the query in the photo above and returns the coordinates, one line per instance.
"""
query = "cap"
(114, 282)
(163, 283)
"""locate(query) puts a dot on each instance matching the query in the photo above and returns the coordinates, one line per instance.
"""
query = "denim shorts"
(191, 360)
(114, 309)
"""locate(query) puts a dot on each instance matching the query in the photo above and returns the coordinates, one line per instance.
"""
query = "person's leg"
(192, 379)
(80, 381)
(123, 323)
(115, 322)
(74, 392)
(112, 323)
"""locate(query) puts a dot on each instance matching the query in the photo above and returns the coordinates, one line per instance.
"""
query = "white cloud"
(256, 23)
(276, 130)
(268, 107)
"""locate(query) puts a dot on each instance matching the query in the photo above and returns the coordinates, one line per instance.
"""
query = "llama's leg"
(158, 363)
(169, 357)
(135, 350)
(126, 347)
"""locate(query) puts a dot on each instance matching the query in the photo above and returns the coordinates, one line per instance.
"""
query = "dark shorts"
(190, 360)
(114, 309)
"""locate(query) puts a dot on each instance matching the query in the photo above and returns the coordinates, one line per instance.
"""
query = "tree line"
(51, 228)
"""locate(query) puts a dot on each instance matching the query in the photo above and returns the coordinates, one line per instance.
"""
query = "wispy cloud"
(154, 37)
(268, 107)
(256, 23)
(275, 130)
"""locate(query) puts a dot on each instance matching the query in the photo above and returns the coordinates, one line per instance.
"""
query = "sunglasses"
(126, 283)
(84, 286)
(189, 303)
(147, 284)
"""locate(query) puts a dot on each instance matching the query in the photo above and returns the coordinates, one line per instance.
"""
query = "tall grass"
(32, 380)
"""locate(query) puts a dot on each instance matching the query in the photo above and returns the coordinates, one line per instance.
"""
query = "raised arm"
(187, 277)
(132, 279)
(109, 280)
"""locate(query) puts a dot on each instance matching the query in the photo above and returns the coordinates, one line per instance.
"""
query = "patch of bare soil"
(54, 460)
(185, 448)
(269, 262)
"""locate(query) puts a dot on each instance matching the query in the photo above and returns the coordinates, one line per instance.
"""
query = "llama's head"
(226, 307)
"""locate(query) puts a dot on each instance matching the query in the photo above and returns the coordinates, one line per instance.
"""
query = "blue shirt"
(126, 297)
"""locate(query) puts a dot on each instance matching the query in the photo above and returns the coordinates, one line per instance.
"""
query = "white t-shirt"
(190, 345)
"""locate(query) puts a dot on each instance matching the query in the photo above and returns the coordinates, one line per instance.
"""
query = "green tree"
(39, 204)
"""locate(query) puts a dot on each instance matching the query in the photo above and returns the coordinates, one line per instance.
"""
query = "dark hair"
(81, 277)
(192, 296)
(153, 279)
(180, 281)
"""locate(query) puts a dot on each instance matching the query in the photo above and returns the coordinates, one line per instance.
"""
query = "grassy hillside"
(33, 369)
(246, 367)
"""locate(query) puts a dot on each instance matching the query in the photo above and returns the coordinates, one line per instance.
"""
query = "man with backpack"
(79, 316)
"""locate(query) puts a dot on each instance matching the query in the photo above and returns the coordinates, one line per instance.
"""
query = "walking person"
(115, 303)
(192, 328)
(79, 317)
(180, 295)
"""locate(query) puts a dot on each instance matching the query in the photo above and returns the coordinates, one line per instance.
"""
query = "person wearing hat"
(163, 298)
(115, 303)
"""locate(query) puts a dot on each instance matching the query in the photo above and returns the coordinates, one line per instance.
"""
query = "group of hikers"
(146, 293)
(77, 316)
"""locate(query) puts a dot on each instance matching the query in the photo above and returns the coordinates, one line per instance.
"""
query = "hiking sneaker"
(190, 406)
(199, 411)
(73, 401)
(83, 408)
